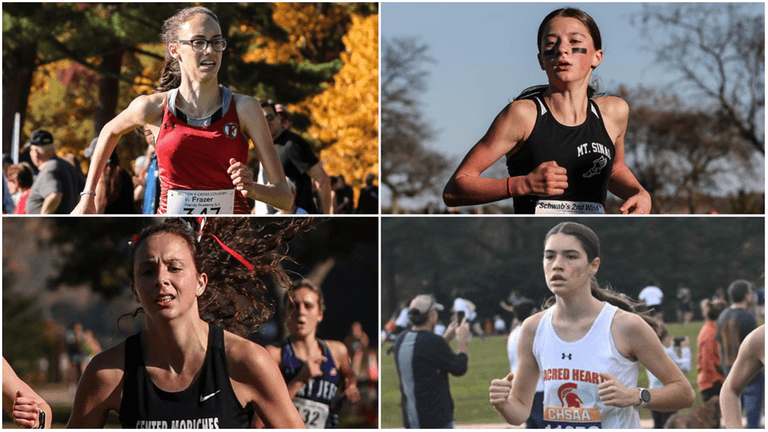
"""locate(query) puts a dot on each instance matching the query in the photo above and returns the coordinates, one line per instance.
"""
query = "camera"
(679, 340)
(460, 316)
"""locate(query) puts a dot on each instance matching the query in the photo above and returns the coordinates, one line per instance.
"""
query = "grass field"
(487, 361)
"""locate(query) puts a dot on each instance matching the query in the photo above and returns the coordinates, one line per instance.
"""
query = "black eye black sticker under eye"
(579, 50)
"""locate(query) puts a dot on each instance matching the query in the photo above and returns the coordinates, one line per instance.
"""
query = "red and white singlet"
(193, 163)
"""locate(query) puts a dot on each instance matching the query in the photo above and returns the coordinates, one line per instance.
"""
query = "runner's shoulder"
(245, 102)
(149, 106)
(613, 106)
(106, 370)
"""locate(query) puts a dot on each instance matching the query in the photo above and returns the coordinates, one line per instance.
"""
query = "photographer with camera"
(679, 350)
(424, 361)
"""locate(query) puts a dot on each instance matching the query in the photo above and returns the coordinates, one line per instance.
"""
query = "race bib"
(315, 414)
(568, 207)
(571, 418)
(201, 202)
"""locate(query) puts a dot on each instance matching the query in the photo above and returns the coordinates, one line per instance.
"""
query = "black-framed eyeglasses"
(200, 45)
(270, 117)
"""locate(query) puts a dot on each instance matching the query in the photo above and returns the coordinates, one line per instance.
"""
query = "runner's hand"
(312, 368)
(352, 393)
(500, 390)
(637, 204)
(547, 179)
(25, 411)
(86, 205)
(242, 176)
(612, 392)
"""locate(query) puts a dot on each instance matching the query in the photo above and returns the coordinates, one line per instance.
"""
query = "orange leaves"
(309, 26)
(346, 114)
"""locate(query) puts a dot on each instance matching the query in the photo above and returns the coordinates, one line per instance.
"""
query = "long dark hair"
(170, 77)
(591, 244)
(594, 32)
(237, 254)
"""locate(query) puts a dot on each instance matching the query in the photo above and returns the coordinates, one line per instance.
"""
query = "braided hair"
(237, 254)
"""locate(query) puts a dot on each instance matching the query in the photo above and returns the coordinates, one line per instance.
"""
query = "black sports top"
(208, 403)
(586, 151)
(314, 400)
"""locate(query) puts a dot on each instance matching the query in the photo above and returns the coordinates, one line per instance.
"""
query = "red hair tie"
(233, 253)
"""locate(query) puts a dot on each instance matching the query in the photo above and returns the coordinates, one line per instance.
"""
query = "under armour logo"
(570, 356)
(171, 125)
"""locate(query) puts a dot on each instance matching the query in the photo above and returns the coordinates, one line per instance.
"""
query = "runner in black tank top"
(585, 151)
(209, 403)
(183, 371)
(558, 144)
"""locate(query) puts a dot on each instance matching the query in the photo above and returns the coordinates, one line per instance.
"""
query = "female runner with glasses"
(201, 129)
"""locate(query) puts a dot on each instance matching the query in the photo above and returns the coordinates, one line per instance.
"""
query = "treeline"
(487, 258)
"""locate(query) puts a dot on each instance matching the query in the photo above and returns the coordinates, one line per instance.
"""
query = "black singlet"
(208, 403)
(586, 151)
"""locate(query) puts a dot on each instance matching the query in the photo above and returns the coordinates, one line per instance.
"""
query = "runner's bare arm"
(636, 340)
(510, 128)
(100, 390)
(349, 378)
(513, 396)
(21, 402)
(143, 110)
(749, 361)
(257, 380)
(277, 193)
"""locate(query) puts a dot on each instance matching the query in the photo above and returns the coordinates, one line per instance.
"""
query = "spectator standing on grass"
(733, 326)
(709, 375)
(424, 361)
(653, 297)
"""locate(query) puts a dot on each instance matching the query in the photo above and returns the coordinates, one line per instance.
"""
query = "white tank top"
(571, 375)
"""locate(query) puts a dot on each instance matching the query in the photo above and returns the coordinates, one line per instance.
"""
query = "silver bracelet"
(87, 193)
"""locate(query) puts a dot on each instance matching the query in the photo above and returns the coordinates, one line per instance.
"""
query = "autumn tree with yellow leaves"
(345, 117)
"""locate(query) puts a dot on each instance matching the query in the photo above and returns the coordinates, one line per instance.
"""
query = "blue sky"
(486, 55)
